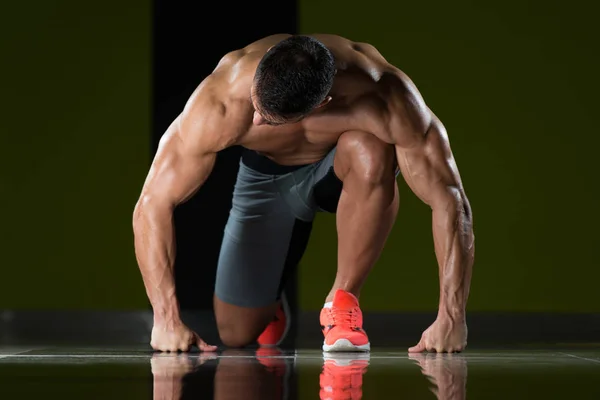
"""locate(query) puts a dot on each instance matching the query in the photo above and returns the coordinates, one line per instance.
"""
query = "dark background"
(88, 89)
(187, 48)
(75, 129)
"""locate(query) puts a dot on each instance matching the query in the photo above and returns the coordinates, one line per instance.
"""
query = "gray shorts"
(269, 226)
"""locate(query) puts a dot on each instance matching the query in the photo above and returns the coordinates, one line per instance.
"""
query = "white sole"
(347, 358)
(345, 345)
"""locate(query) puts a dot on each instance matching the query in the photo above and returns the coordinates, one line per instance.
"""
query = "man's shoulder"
(213, 116)
(230, 80)
(262, 45)
(391, 107)
(219, 106)
(408, 114)
(331, 40)
(337, 43)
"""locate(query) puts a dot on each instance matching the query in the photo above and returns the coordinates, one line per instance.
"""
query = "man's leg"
(367, 207)
(239, 322)
(260, 246)
(248, 275)
(278, 329)
(361, 189)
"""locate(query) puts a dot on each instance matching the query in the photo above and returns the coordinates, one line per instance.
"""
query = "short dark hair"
(293, 78)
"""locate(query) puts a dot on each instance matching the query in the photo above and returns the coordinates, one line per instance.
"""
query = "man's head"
(292, 79)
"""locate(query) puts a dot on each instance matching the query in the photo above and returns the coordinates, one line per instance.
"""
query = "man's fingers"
(203, 346)
(207, 347)
(419, 348)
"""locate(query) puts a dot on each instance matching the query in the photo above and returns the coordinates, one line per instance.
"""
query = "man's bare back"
(368, 95)
(344, 126)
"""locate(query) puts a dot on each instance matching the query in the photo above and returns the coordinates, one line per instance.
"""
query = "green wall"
(74, 150)
(516, 84)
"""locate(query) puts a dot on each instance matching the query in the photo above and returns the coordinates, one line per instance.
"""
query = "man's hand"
(445, 335)
(177, 337)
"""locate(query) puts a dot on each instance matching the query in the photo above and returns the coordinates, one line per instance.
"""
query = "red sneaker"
(342, 377)
(342, 325)
(276, 331)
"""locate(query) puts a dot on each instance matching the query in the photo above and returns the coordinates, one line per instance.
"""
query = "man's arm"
(428, 166)
(430, 171)
(184, 160)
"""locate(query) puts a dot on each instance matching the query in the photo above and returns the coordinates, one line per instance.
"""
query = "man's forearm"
(155, 253)
(454, 245)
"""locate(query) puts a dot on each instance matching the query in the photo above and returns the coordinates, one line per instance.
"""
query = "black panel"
(189, 39)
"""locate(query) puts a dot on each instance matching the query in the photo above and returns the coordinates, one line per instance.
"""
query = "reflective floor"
(27, 373)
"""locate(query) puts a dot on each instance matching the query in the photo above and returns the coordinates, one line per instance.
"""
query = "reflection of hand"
(168, 366)
(447, 372)
(168, 372)
(445, 335)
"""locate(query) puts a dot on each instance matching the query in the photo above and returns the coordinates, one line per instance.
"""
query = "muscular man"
(325, 123)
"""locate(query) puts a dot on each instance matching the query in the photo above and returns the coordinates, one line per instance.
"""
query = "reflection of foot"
(342, 375)
(276, 331)
(272, 359)
(278, 365)
(342, 325)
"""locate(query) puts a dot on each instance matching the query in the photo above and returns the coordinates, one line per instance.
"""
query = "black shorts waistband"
(265, 165)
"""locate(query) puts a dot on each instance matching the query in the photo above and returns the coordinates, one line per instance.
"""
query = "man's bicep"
(429, 167)
(179, 167)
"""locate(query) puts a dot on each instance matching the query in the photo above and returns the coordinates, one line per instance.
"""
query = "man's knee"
(367, 158)
(241, 326)
(236, 336)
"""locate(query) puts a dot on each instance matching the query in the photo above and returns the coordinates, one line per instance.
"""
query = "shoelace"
(344, 317)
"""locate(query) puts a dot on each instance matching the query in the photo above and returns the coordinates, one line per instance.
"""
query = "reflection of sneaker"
(276, 331)
(342, 376)
(342, 324)
(272, 359)
(277, 364)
